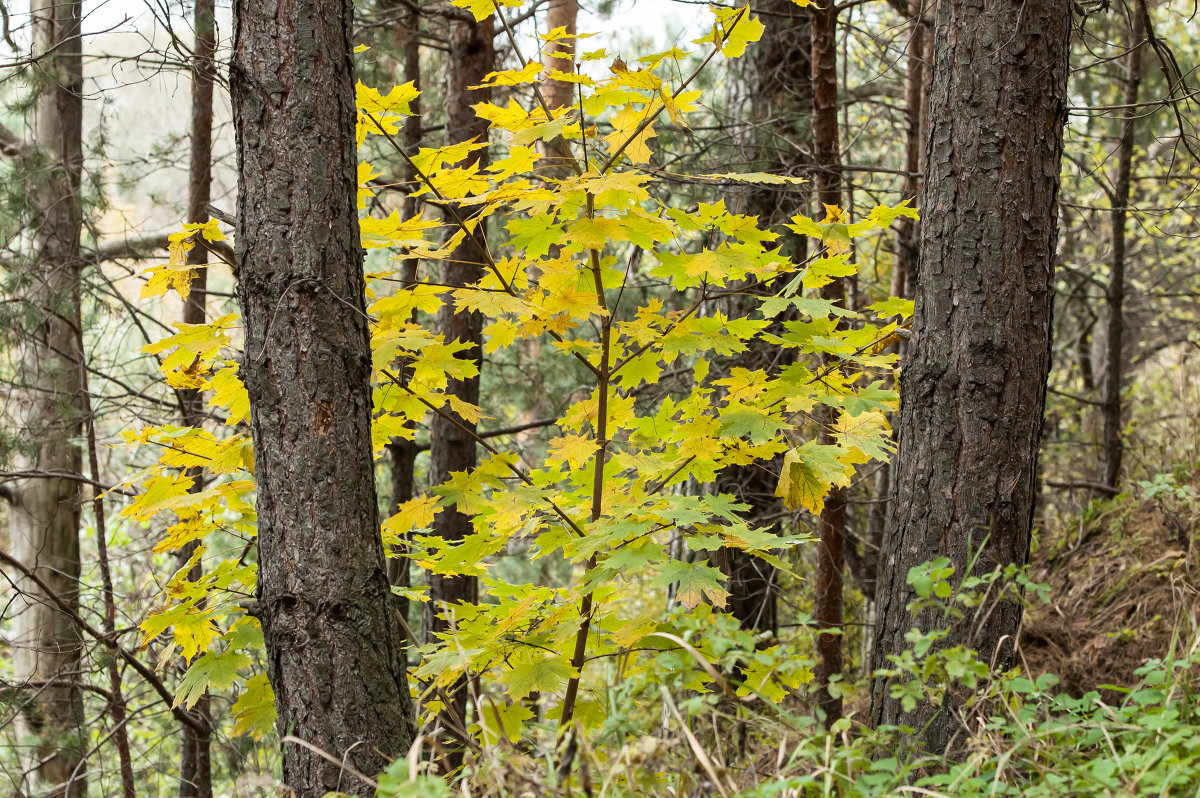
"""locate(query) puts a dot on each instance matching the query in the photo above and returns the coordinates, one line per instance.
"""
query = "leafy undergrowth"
(1122, 584)
(1029, 739)
(1124, 577)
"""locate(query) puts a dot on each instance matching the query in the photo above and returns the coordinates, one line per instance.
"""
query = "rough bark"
(335, 657)
(451, 441)
(905, 266)
(831, 526)
(48, 414)
(1114, 367)
(904, 269)
(974, 379)
(195, 763)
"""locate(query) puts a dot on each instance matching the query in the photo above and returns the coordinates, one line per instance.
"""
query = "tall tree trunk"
(831, 527)
(44, 512)
(904, 269)
(774, 92)
(335, 656)
(403, 451)
(1115, 293)
(560, 14)
(451, 441)
(195, 765)
(975, 375)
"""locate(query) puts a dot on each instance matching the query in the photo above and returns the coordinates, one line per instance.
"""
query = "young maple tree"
(611, 488)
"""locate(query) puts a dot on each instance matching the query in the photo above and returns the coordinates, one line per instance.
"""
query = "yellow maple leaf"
(168, 278)
(413, 514)
(482, 9)
(512, 77)
(625, 135)
(574, 450)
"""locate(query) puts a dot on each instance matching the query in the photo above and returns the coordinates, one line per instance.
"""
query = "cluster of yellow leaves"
(176, 274)
(556, 267)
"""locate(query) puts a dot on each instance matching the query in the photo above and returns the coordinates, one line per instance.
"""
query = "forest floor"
(1124, 579)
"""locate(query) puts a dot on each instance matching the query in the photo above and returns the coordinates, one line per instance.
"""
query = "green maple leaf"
(210, 670)
(872, 397)
(643, 368)
(501, 719)
(808, 472)
(630, 559)
(547, 131)
(536, 674)
(254, 711)
(758, 424)
(868, 433)
(535, 235)
(892, 306)
(695, 582)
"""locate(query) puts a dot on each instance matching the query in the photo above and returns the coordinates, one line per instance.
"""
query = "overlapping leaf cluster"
(612, 489)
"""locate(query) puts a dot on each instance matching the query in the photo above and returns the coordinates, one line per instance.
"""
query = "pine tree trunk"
(403, 451)
(451, 442)
(974, 380)
(1115, 294)
(560, 14)
(195, 763)
(44, 513)
(831, 527)
(904, 270)
(775, 92)
(335, 656)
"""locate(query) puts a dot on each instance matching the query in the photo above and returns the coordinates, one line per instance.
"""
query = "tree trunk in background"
(335, 656)
(775, 93)
(1115, 293)
(831, 527)
(195, 763)
(451, 445)
(558, 93)
(48, 415)
(975, 377)
(403, 451)
(904, 269)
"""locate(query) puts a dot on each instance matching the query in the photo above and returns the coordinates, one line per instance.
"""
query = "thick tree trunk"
(451, 441)
(831, 527)
(974, 380)
(195, 763)
(48, 409)
(335, 656)
(1115, 294)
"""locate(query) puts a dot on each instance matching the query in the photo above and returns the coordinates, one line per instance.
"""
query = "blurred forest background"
(116, 127)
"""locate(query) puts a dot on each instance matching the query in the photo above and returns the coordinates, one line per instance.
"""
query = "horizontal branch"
(182, 715)
(496, 433)
(1098, 487)
(11, 476)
